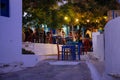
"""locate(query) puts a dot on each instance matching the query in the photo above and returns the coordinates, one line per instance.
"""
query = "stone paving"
(99, 65)
(45, 71)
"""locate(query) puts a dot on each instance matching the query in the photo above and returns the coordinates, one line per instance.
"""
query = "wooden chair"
(60, 52)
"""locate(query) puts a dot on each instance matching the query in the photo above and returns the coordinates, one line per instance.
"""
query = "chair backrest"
(78, 44)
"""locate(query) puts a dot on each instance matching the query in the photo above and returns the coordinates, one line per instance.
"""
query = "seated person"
(86, 44)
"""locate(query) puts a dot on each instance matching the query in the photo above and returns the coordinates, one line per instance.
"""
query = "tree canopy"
(88, 13)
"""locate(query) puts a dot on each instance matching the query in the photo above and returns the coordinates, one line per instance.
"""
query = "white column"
(100, 47)
(94, 41)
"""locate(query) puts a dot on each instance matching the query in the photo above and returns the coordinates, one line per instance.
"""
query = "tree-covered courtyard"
(87, 13)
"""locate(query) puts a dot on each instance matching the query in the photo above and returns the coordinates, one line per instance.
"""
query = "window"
(4, 8)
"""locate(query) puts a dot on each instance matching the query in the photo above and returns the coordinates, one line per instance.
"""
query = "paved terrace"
(46, 71)
(87, 69)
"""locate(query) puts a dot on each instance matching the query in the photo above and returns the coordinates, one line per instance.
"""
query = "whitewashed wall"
(41, 49)
(11, 38)
(100, 47)
(10, 33)
(112, 48)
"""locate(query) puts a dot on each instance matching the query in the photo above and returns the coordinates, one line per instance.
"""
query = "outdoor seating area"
(69, 47)
(71, 50)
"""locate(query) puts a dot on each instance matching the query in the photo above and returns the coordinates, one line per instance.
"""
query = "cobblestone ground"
(45, 71)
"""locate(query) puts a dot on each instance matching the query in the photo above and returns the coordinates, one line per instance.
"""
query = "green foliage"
(48, 12)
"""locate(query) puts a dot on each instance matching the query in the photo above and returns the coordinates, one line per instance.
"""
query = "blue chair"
(73, 47)
(70, 49)
(78, 46)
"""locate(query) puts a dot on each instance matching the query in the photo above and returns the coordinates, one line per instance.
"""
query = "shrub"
(27, 51)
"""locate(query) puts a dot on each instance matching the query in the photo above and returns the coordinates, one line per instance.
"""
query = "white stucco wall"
(112, 47)
(11, 38)
(10, 33)
(41, 48)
